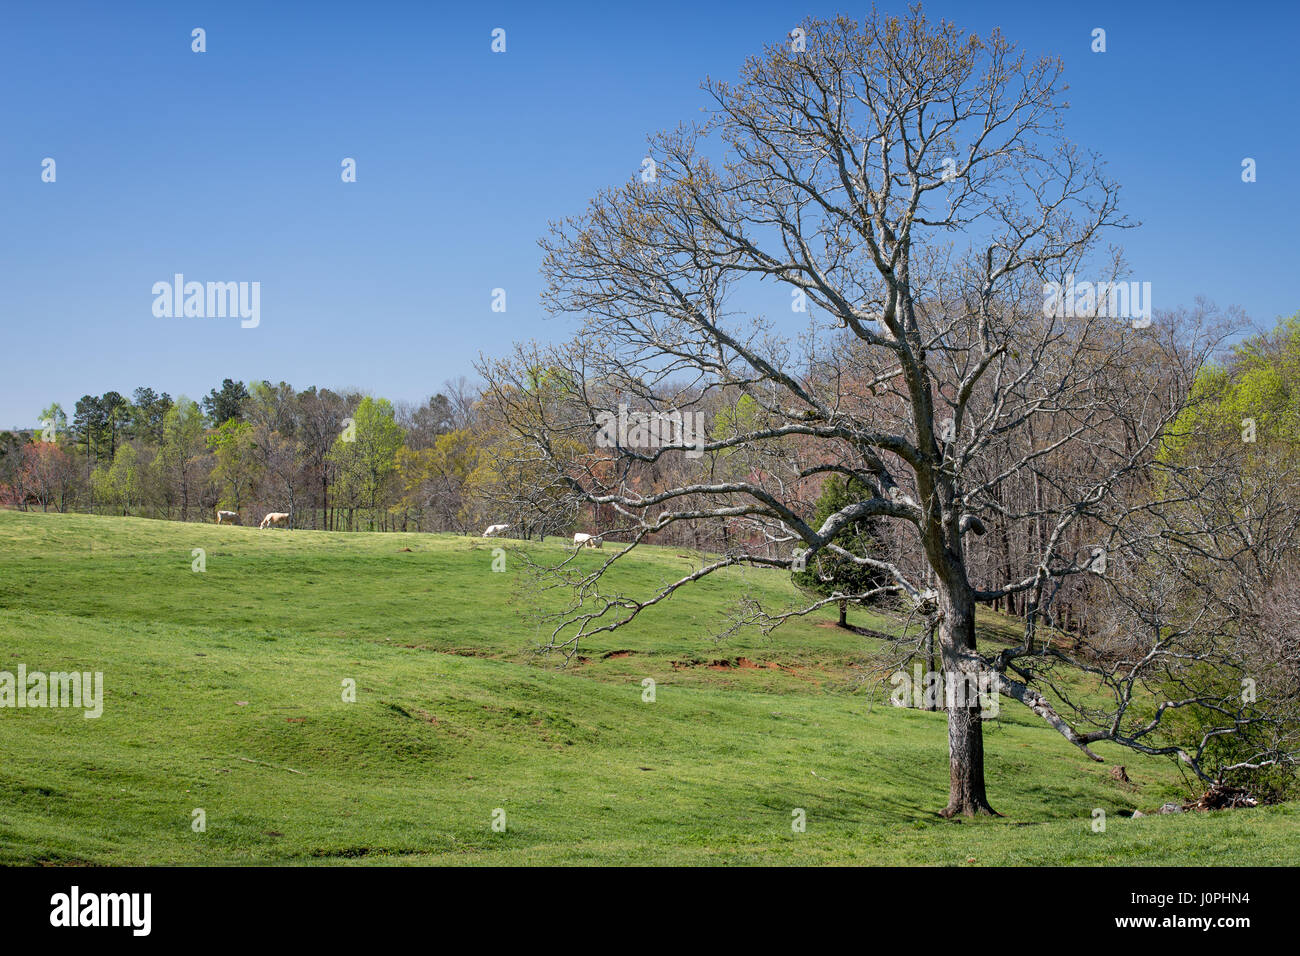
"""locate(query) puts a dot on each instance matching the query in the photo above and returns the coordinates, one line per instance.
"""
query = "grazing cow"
(495, 529)
(227, 517)
(581, 540)
(275, 517)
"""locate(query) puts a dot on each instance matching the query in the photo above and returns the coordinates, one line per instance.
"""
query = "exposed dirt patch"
(726, 664)
(615, 655)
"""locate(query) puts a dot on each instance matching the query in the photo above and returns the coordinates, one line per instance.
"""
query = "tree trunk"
(928, 650)
(966, 794)
(844, 614)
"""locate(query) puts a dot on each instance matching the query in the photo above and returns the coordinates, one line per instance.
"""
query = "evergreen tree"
(826, 573)
(222, 405)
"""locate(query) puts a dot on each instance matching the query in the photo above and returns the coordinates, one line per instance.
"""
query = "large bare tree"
(908, 191)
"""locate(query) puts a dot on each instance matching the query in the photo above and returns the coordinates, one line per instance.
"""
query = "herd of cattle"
(273, 517)
(580, 540)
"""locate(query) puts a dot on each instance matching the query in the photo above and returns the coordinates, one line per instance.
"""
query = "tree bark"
(929, 650)
(966, 793)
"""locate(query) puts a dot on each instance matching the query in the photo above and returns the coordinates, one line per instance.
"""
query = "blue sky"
(225, 166)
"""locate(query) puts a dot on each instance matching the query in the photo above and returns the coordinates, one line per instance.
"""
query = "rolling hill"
(224, 692)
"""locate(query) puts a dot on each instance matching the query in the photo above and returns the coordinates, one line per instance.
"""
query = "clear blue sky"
(225, 166)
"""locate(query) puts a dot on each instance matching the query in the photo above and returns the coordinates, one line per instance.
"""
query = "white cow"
(581, 540)
(495, 529)
(227, 517)
(275, 517)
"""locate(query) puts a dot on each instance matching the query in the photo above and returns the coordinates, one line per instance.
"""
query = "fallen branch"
(265, 764)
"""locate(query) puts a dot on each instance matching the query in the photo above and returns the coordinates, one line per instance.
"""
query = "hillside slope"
(223, 693)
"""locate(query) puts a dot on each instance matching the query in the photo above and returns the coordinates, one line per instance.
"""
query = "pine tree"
(827, 573)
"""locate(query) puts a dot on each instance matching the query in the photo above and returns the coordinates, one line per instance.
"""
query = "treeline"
(333, 460)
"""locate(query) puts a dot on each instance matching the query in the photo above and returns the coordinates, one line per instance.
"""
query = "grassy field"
(223, 692)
